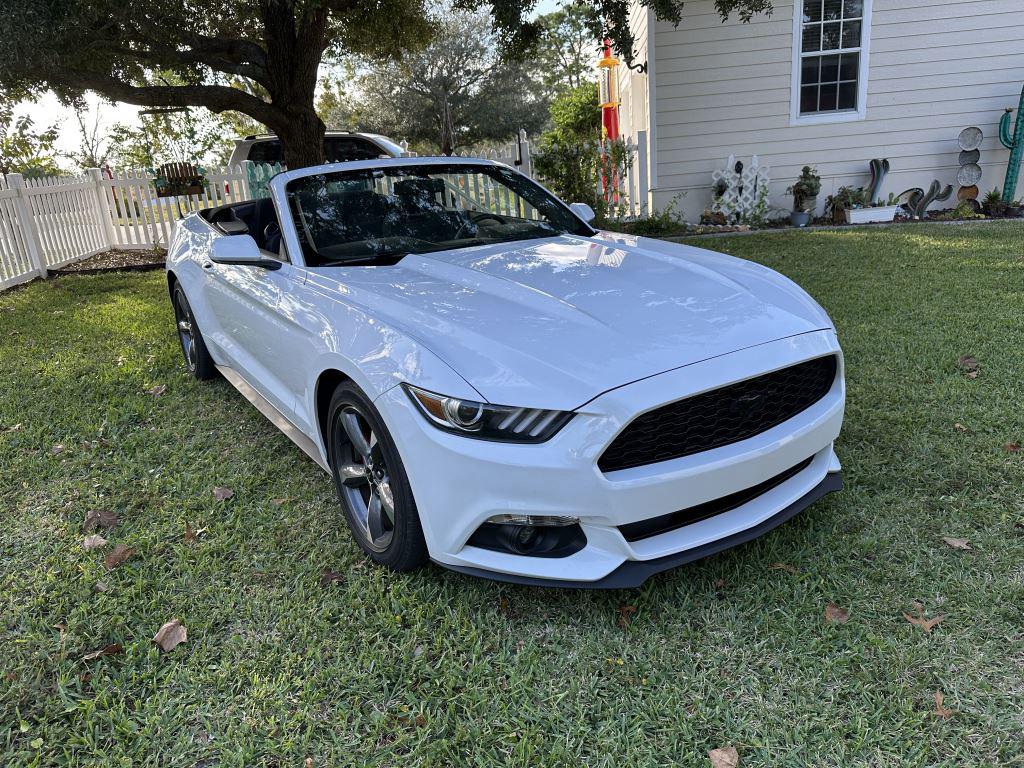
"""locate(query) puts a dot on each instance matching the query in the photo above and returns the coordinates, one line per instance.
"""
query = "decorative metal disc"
(968, 175)
(970, 138)
(970, 156)
(967, 193)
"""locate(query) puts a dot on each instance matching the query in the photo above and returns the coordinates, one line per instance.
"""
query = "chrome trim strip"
(276, 418)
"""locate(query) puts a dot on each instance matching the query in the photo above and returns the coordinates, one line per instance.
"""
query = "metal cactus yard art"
(879, 169)
(1015, 143)
(917, 200)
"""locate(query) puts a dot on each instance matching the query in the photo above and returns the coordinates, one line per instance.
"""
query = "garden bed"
(115, 260)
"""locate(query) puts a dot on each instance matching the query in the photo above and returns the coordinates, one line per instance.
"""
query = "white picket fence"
(48, 223)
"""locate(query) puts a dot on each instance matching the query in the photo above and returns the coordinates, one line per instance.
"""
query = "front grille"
(664, 523)
(720, 417)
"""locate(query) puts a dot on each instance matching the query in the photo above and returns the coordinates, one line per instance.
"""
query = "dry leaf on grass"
(969, 363)
(957, 543)
(220, 493)
(836, 615)
(920, 621)
(944, 712)
(95, 541)
(57, 450)
(280, 502)
(117, 555)
(329, 577)
(626, 615)
(100, 586)
(99, 518)
(782, 567)
(724, 757)
(959, 427)
(191, 534)
(111, 650)
(13, 428)
(158, 390)
(1011, 447)
(170, 635)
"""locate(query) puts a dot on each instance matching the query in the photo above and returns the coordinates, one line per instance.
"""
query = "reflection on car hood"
(555, 322)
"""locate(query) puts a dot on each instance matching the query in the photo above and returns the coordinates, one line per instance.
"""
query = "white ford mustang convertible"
(499, 387)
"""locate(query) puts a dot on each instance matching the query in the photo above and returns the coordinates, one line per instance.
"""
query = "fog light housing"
(530, 535)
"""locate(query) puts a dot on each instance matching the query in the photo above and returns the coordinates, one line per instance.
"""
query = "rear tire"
(193, 348)
(372, 486)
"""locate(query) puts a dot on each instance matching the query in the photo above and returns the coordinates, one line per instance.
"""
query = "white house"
(829, 83)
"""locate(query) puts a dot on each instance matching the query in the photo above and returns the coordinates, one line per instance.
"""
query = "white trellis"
(741, 190)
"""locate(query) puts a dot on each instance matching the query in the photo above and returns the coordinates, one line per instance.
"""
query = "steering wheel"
(475, 217)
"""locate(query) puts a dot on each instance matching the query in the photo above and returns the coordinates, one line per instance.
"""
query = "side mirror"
(240, 250)
(584, 211)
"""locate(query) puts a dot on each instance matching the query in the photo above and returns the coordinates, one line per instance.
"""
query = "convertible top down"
(498, 386)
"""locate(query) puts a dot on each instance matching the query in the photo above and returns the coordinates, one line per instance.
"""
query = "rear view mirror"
(584, 211)
(240, 250)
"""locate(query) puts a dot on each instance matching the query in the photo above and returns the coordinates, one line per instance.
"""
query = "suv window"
(337, 149)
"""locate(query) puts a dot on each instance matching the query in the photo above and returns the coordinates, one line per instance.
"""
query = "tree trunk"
(302, 138)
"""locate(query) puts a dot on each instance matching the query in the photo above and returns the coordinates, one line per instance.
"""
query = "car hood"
(553, 323)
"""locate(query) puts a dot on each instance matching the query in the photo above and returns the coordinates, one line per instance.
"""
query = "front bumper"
(460, 482)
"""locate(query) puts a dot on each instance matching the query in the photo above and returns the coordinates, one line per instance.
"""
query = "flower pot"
(870, 215)
(800, 218)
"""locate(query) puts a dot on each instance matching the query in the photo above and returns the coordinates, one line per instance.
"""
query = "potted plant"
(805, 196)
(854, 206)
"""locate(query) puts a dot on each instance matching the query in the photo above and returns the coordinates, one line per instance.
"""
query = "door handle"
(207, 265)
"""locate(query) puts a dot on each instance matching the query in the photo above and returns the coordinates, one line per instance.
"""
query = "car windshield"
(378, 215)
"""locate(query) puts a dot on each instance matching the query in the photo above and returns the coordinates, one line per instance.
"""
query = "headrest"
(418, 187)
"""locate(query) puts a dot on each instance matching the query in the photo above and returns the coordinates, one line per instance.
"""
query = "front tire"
(193, 348)
(372, 486)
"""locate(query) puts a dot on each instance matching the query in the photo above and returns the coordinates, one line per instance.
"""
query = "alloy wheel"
(364, 478)
(186, 331)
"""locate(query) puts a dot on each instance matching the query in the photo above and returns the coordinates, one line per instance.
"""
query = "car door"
(249, 305)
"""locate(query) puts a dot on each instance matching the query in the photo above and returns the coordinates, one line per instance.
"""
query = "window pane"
(853, 9)
(809, 70)
(829, 69)
(830, 36)
(812, 10)
(809, 99)
(827, 99)
(851, 34)
(847, 95)
(812, 38)
(849, 66)
(833, 9)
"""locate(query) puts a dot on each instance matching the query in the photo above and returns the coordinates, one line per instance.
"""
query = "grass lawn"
(434, 668)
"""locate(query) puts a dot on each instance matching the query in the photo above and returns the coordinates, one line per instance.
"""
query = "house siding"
(935, 67)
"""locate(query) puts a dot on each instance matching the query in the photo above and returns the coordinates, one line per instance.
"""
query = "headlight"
(488, 422)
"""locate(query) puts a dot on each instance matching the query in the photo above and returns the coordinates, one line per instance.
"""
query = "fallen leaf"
(95, 541)
(221, 493)
(329, 577)
(944, 712)
(190, 534)
(719, 583)
(158, 390)
(782, 567)
(170, 635)
(959, 427)
(957, 543)
(111, 650)
(724, 757)
(920, 621)
(625, 615)
(971, 374)
(100, 586)
(1011, 447)
(968, 363)
(57, 450)
(835, 614)
(280, 502)
(99, 519)
(117, 555)
(14, 428)
(309, 762)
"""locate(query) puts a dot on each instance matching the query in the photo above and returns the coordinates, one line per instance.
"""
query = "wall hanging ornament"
(969, 173)
(1013, 141)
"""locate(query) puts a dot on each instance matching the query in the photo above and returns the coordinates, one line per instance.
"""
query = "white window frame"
(846, 116)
